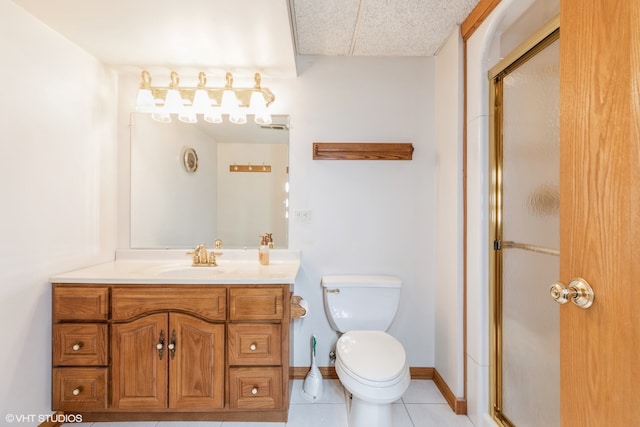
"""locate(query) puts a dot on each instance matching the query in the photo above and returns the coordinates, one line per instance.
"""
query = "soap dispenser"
(263, 252)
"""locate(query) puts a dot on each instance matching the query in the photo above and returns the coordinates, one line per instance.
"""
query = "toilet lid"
(372, 355)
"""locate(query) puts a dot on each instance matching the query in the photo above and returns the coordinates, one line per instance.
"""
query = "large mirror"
(194, 183)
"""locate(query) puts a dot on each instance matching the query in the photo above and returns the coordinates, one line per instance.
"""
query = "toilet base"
(367, 414)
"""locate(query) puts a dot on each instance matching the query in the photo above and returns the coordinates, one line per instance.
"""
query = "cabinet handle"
(172, 344)
(76, 391)
(160, 345)
(77, 346)
(253, 347)
(254, 391)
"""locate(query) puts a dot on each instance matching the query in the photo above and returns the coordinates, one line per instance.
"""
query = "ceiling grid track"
(356, 27)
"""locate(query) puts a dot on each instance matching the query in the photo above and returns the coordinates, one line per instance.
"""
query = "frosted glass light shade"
(258, 106)
(187, 115)
(173, 101)
(231, 105)
(144, 101)
(238, 116)
(201, 102)
(229, 102)
(213, 115)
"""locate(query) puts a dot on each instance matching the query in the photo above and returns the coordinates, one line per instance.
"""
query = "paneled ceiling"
(244, 36)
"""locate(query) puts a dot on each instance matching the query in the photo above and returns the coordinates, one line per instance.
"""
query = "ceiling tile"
(325, 27)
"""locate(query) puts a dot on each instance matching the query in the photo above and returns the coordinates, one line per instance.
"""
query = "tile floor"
(421, 406)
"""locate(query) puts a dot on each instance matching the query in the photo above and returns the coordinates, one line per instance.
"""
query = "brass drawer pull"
(160, 345)
(172, 344)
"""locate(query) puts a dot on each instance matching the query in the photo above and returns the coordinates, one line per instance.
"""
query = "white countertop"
(235, 266)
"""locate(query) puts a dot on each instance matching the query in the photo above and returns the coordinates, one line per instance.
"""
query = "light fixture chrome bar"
(249, 100)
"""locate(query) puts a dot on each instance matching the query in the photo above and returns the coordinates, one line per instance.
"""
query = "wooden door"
(600, 210)
(197, 365)
(139, 370)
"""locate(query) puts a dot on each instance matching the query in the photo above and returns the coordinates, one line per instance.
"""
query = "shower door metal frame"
(528, 49)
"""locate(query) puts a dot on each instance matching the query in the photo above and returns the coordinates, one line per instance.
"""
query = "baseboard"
(329, 372)
(459, 406)
(299, 372)
(53, 421)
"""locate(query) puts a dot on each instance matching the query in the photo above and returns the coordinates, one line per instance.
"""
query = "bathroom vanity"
(161, 340)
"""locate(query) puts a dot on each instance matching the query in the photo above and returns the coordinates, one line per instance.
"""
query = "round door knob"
(559, 293)
(159, 346)
(254, 391)
(253, 347)
(578, 292)
(77, 347)
(171, 346)
(76, 391)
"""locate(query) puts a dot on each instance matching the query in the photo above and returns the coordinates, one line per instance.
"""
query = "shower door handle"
(578, 292)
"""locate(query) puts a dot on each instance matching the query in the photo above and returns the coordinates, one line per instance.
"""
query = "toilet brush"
(312, 386)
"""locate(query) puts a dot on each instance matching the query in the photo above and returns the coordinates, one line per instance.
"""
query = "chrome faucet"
(204, 258)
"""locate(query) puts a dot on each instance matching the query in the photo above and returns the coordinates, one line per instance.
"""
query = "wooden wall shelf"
(362, 151)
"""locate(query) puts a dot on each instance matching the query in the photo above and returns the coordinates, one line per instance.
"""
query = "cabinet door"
(196, 363)
(139, 374)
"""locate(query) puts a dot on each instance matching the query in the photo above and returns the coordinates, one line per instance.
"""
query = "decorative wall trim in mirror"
(362, 151)
(250, 168)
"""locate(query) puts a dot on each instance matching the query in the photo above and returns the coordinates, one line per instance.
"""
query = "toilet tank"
(361, 302)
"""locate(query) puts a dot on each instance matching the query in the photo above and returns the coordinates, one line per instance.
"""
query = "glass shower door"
(526, 164)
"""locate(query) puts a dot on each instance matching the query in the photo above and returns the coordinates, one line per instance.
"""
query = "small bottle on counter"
(263, 252)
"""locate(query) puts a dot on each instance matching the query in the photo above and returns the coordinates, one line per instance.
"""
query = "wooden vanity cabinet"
(254, 348)
(173, 352)
(79, 348)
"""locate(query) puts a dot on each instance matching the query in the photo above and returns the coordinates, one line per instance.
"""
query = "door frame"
(537, 42)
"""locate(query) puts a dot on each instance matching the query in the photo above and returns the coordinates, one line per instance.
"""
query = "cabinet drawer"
(79, 344)
(130, 302)
(255, 388)
(80, 303)
(254, 344)
(79, 388)
(256, 303)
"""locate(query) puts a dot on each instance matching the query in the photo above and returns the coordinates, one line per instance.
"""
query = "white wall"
(57, 177)
(449, 290)
(366, 216)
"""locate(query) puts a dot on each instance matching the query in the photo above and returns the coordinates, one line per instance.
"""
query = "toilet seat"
(372, 358)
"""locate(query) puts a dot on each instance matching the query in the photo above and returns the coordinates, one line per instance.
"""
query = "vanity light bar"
(210, 102)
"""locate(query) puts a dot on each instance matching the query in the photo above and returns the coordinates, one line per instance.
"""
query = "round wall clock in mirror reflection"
(190, 160)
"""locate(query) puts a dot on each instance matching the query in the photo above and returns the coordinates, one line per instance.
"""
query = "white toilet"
(370, 363)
